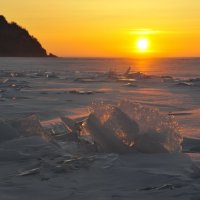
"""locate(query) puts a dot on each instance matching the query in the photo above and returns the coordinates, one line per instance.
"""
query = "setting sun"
(142, 44)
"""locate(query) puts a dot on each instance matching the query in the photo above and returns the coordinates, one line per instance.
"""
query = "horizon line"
(116, 57)
(107, 57)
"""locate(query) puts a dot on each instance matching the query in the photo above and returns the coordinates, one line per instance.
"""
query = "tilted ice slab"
(130, 126)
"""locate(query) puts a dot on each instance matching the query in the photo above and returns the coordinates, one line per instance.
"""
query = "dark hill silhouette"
(15, 41)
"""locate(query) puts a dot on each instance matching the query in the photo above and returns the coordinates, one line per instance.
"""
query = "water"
(176, 67)
(152, 114)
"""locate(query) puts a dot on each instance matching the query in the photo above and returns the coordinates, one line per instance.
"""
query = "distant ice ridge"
(129, 126)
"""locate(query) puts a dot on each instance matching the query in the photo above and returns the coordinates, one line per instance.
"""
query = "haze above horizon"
(98, 28)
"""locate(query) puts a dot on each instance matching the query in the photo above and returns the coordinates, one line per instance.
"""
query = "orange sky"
(110, 27)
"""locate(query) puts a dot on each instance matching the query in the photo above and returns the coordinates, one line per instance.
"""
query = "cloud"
(144, 31)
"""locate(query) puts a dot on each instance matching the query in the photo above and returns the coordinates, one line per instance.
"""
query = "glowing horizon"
(94, 28)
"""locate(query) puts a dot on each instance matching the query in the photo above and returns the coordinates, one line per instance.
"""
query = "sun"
(142, 44)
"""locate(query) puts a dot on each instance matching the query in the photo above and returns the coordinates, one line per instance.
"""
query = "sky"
(110, 28)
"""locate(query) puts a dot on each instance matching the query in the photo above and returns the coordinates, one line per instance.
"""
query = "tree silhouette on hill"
(16, 41)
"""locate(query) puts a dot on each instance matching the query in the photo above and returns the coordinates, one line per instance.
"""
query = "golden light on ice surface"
(142, 44)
